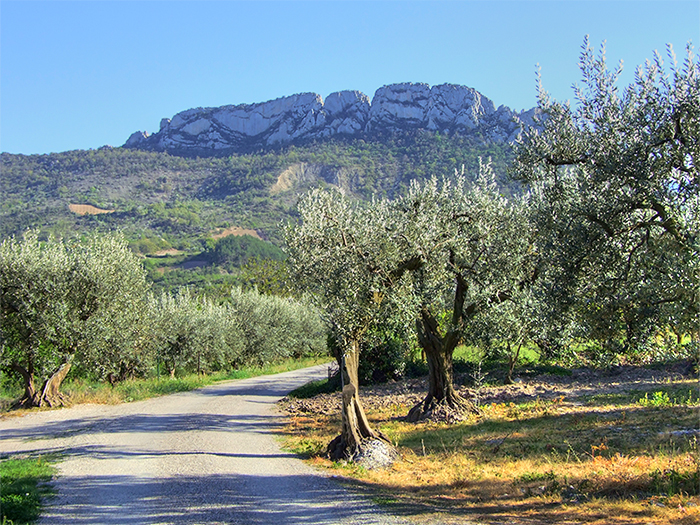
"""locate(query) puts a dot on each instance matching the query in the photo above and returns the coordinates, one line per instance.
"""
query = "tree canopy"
(616, 182)
(65, 300)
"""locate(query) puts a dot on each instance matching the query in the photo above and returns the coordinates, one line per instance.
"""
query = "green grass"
(24, 487)
(660, 397)
(323, 386)
(668, 397)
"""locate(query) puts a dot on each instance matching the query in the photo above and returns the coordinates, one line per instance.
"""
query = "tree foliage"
(191, 334)
(68, 300)
(616, 181)
(273, 327)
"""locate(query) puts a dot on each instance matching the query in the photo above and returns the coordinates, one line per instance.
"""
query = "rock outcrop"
(446, 108)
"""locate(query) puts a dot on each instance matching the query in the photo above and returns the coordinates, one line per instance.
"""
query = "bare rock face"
(446, 108)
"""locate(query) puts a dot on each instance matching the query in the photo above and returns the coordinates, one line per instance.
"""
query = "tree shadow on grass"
(624, 430)
(491, 501)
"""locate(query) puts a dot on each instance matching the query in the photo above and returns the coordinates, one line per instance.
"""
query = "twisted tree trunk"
(30, 393)
(438, 351)
(50, 394)
(356, 428)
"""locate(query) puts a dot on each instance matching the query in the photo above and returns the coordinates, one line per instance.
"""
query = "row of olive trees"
(603, 245)
(437, 258)
(85, 305)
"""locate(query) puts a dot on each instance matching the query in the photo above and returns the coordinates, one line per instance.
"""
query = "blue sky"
(79, 75)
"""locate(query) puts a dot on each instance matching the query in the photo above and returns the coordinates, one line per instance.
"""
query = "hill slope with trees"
(164, 201)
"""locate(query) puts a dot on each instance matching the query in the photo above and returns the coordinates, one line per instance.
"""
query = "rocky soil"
(581, 384)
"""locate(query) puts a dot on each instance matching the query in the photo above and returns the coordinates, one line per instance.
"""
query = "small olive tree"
(66, 301)
(345, 256)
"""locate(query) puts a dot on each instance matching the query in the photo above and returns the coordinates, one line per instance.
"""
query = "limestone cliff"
(446, 108)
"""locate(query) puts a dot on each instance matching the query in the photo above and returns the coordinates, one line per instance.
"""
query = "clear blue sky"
(78, 75)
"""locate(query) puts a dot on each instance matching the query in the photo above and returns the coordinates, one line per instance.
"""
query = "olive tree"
(616, 180)
(344, 255)
(474, 248)
(66, 301)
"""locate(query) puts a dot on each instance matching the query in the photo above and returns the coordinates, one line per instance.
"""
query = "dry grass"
(598, 459)
(80, 391)
(235, 230)
(87, 209)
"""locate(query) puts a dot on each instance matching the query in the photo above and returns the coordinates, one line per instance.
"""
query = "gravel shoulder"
(205, 457)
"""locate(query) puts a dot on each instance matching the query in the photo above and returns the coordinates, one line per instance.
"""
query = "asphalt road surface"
(202, 457)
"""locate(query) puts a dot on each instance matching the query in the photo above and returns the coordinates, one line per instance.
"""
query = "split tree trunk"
(438, 351)
(50, 394)
(356, 428)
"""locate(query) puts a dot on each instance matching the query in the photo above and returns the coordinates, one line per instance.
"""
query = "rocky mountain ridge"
(447, 108)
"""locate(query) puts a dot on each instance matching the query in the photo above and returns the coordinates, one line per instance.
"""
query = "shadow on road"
(240, 499)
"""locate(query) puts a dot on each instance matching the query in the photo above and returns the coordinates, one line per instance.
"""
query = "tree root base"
(442, 411)
(372, 453)
(54, 401)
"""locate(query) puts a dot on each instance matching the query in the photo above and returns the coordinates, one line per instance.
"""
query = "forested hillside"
(160, 201)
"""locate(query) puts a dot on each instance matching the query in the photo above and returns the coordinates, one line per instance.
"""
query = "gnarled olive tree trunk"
(356, 428)
(438, 352)
(49, 394)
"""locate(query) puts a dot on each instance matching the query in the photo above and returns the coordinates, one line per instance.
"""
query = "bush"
(235, 251)
(385, 360)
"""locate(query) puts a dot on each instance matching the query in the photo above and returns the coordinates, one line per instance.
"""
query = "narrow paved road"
(201, 457)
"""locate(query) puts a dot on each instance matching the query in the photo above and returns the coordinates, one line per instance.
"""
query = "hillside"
(166, 201)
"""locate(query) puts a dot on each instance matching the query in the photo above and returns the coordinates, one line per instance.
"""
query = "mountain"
(297, 119)
(209, 172)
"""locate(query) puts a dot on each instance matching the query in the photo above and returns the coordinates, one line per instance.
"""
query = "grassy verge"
(137, 389)
(81, 391)
(23, 487)
(629, 458)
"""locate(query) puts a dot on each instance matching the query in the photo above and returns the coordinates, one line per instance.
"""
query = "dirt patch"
(165, 253)
(87, 209)
(235, 230)
(581, 384)
(296, 174)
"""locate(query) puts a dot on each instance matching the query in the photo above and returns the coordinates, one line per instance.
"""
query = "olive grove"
(435, 258)
(602, 246)
(82, 308)
(615, 182)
